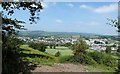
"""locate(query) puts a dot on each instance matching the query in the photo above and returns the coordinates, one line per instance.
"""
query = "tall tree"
(79, 50)
(10, 44)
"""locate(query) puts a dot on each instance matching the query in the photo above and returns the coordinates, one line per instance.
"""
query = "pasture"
(65, 51)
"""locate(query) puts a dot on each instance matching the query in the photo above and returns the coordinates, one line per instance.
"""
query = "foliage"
(50, 46)
(67, 44)
(108, 49)
(57, 54)
(86, 60)
(36, 56)
(54, 46)
(79, 50)
(116, 23)
(106, 42)
(12, 63)
(103, 58)
(33, 7)
(38, 46)
(66, 59)
(98, 42)
(79, 47)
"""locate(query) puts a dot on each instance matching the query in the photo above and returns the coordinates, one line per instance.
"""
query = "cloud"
(59, 21)
(102, 9)
(86, 7)
(106, 9)
(70, 5)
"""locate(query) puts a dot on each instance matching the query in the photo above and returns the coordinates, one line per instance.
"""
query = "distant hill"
(63, 34)
(45, 33)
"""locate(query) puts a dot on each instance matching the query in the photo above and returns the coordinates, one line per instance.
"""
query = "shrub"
(57, 54)
(88, 60)
(103, 58)
(67, 44)
(84, 59)
(50, 46)
(54, 46)
(108, 49)
(110, 61)
(65, 59)
(79, 48)
(97, 56)
(72, 59)
(38, 46)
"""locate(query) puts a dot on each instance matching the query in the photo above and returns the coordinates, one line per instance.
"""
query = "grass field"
(36, 56)
(65, 51)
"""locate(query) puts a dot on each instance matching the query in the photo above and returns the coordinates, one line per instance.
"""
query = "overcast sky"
(85, 17)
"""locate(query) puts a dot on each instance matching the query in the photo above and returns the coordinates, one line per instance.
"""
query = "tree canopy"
(12, 63)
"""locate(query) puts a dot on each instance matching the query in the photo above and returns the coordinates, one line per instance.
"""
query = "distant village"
(96, 44)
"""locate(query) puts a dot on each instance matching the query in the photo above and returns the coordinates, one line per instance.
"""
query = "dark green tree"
(50, 45)
(68, 44)
(80, 50)
(38, 46)
(57, 54)
(108, 49)
(106, 42)
(12, 63)
(54, 46)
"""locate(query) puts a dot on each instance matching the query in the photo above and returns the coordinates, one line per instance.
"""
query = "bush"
(72, 59)
(67, 44)
(103, 58)
(38, 46)
(84, 59)
(88, 60)
(110, 61)
(108, 49)
(97, 56)
(65, 59)
(79, 48)
(57, 54)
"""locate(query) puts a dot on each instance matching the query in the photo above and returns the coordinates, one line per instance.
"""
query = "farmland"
(65, 51)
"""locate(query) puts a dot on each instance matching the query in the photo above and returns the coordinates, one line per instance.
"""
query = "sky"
(83, 17)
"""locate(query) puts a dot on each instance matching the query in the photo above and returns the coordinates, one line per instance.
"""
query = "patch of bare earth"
(60, 68)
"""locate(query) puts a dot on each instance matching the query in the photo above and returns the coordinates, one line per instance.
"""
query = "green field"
(65, 51)
(36, 56)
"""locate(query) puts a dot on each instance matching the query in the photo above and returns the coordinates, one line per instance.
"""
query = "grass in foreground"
(99, 68)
